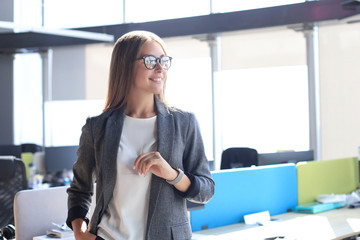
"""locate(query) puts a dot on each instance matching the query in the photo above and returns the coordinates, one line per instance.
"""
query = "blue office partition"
(243, 191)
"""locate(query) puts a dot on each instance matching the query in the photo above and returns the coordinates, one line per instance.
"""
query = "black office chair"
(12, 180)
(239, 157)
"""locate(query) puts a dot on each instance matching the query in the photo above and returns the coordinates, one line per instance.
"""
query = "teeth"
(157, 79)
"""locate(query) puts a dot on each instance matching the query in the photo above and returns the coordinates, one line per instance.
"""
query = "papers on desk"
(316, 207)
(331, 198)
(59, 233)
(257, 218)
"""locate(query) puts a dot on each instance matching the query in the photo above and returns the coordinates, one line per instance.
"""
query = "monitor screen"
(285, 157)
(61, 158)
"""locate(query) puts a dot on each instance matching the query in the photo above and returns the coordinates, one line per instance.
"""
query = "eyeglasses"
(151, 61)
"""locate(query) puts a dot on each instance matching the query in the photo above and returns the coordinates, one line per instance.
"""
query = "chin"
(157, 91)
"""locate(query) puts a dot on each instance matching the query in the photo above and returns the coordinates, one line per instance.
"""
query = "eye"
(150, 61)
(165, 62)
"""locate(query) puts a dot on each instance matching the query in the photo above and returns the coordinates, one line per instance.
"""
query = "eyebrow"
(152, 55)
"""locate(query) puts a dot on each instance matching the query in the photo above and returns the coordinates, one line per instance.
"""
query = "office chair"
(12, 180)
(239, 157)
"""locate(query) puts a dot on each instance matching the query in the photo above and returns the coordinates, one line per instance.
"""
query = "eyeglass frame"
(157, 60)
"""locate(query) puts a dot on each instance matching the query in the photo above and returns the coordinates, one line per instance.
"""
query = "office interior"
(269, 77)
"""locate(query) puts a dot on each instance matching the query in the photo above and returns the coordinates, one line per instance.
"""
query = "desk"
(334, 224)
(44, 237)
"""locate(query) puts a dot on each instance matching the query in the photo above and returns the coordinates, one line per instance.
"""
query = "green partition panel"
(338, 176)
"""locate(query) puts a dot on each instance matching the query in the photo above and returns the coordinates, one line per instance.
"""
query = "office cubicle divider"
(243, 191)
(338, 176)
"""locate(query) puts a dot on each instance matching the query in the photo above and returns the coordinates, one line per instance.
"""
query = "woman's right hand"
(80, 230)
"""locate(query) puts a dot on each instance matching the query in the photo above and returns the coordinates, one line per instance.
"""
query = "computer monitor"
(62, 158)
(285, 157)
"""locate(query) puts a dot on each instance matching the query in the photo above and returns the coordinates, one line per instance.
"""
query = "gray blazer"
(179, 142)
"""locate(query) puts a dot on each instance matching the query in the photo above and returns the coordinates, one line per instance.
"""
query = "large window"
(82, 13)
(144, 10)
(65, 119)
(262, 90)
(264, 108)
(189, 88)
(28, 99)
(189, 83)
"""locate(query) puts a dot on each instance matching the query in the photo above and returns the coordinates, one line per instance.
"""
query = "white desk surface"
(334, 224)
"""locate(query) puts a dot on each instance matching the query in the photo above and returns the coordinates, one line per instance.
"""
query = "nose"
(158, 65)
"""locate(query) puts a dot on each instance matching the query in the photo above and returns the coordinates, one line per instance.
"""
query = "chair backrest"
(10, 150)
(239, 157)
(12, 180)
(35, 210)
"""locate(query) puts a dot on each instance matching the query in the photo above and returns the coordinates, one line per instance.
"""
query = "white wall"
(68, 73)
(271, 47)
(98, 57)
(340, 90)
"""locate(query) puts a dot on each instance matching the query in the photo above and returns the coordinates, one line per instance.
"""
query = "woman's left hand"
(156, 164)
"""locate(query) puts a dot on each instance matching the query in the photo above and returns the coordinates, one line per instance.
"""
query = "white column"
(312, 58)
(214, 41)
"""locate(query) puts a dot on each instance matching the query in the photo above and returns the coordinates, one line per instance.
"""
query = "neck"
(141, 107)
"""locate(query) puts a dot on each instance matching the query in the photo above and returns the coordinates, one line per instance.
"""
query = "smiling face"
(149, 82)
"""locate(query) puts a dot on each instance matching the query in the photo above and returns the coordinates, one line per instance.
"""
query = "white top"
(127, 212)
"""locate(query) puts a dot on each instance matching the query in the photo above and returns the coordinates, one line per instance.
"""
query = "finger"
(146, 163)
(142, 161)
(139, 159)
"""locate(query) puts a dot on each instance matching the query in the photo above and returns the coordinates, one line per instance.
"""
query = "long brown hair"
(124, 55)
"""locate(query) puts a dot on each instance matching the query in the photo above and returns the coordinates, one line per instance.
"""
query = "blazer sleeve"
(196, 165)
(81, 188)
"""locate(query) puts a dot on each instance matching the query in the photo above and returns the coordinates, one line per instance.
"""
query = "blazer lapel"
(165, 131)
(110, 150)
(165, 135)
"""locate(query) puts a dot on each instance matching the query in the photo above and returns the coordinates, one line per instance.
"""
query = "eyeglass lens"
(151, 62)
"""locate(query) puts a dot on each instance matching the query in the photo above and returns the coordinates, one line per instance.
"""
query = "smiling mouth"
(156, 79)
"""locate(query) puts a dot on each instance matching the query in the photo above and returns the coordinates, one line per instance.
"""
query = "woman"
(145, 157)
